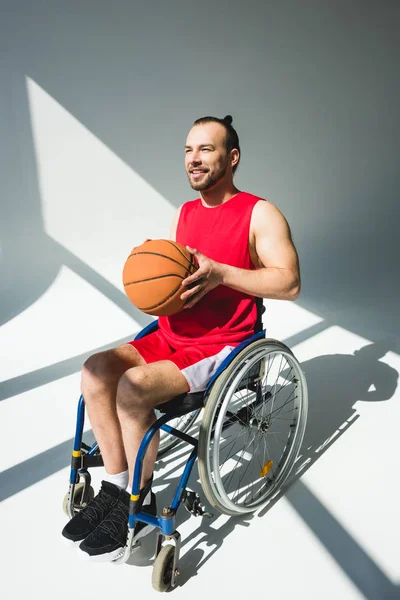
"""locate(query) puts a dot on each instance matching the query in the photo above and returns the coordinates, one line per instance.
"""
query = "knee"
(97, 371)
(132, 390)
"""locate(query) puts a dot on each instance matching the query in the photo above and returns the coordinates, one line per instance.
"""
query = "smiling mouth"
(197, 172)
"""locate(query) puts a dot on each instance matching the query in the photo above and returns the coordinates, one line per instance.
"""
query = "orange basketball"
(153, 275)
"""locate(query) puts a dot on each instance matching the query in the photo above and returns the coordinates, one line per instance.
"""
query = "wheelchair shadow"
(335, 384)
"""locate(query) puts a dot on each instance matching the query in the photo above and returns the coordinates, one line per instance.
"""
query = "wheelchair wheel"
(162, 569)
(252, 428)
(183, 423)
(77, 501)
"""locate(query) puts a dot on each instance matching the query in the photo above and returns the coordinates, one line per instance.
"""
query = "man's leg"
(140, 389)
(100, 376)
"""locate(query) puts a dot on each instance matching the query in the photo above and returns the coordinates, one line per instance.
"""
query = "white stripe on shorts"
(199, 374)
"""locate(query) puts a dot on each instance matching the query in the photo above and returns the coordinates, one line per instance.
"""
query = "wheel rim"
(246, 466)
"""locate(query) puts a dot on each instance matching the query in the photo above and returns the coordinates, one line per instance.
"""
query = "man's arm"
(270, 241)
(270, 238)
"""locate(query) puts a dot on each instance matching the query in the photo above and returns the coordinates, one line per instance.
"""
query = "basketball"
(153, 275)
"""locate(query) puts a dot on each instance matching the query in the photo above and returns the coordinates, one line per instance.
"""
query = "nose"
(195, 158)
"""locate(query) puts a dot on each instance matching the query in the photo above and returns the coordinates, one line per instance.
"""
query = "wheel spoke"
(260, 402)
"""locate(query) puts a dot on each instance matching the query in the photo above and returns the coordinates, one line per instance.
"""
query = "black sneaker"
(107, 542)
(86, 521)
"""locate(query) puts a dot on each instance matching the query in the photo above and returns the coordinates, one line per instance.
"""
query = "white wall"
(314, 92)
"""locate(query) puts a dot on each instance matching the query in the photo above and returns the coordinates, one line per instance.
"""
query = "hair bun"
(228, 119)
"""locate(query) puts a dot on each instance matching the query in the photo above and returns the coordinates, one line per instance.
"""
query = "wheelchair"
(254, 418)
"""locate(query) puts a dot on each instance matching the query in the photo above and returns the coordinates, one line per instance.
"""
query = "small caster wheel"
(78, 497)
(162, 569)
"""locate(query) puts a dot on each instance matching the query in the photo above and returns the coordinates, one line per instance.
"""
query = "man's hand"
(207, 277)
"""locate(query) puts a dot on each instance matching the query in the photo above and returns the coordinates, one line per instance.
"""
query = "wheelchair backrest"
(260, 312)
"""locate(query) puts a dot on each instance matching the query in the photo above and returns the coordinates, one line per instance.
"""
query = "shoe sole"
(115, 554)
(71, 543)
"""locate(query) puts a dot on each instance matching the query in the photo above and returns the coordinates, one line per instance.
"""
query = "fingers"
(189, 293)
(198, 256)
(196, 277)
(194, 300)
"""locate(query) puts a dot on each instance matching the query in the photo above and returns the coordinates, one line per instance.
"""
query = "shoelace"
(97, 508)
(116, 522)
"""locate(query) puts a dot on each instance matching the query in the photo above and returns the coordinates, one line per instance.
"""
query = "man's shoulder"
(264, 206)
(258, 203)
(254, 197)
(266, 215)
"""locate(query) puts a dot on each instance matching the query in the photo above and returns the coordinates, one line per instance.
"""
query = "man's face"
(206, 158)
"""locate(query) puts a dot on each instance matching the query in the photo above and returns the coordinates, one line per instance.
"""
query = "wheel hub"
(260, 424)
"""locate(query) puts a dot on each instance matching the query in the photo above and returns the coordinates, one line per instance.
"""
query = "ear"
(234, 157)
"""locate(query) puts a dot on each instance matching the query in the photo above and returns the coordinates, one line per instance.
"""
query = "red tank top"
(223, 315)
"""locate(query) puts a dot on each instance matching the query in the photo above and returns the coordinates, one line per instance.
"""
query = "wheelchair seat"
(183, 404)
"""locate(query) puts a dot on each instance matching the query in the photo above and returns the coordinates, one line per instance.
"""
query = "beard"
(209, 179)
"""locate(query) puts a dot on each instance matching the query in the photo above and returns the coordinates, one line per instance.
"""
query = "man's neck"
(216, 197)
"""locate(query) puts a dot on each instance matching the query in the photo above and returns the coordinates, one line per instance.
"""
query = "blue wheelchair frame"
(166, 521)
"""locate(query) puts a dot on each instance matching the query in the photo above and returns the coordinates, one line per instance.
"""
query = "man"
(244, 249)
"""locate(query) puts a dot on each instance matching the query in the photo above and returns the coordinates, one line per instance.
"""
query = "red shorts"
(196, 363)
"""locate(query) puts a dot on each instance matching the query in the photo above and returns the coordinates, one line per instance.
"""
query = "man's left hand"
(207, 277)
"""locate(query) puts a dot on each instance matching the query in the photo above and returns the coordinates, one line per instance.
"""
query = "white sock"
(118, 479)
(146, 501)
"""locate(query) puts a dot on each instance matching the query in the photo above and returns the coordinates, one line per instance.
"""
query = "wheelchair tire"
(78, 497)
(245, 421)
(183, 423)
(162, 569)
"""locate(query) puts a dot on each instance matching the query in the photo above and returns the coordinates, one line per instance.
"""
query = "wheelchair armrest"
(235, 352)
(153, 326)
